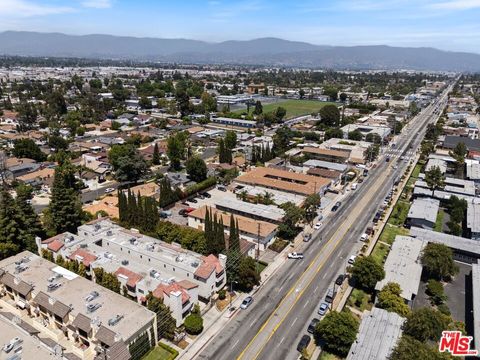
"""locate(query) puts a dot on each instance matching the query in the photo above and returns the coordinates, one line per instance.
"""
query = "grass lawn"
(158, 353)
(379, 252)
(360, 300)
(262, 266)
(399, 213)
(389, 232)
(327, 356)
(294, 107)
(439, 222)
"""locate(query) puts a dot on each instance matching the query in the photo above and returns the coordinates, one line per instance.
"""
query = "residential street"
(283, 307)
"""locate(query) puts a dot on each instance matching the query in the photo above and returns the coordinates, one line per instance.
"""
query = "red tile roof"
(210, 263)
(55, 245)
(87, 258)
(133, 277)
(163, 289)
(187, 285)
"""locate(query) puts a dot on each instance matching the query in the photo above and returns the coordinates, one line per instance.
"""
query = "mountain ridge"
(268, 51)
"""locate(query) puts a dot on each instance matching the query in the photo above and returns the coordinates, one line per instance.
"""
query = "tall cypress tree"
(220, 236)
(156, 155)
(64, 212)
(30, 223)
(221, 152)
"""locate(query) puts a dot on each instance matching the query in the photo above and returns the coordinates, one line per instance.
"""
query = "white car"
(109, 190)
(354, 186)
(364, 237)
(351, 260)
(246, 302)
(10, 345)
(317, 226)
(295, 255)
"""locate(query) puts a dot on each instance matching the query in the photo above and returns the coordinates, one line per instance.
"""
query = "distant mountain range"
(264, 51)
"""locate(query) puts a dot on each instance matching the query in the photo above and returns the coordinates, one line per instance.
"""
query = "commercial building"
(258, 232)
(234, 122)
(403, 266)
(423, 213)
(335, 156)
(382, 131)
(268, 213)
(377, 336)
(285, 181)
(86, 318)
(144, 264)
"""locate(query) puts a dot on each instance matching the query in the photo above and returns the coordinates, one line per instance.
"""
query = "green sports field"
(294, 107)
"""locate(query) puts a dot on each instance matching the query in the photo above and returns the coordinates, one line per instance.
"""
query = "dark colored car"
(336, 206)
(340, 279)
(313, 325)
(207, 195)
(193, 200)
(304, 341)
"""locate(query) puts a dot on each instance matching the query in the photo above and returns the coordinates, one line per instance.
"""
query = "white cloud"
(25, 8)
(456, 5)
(98, 4)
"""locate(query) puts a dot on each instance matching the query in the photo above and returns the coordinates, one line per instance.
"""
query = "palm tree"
(243, 195)
(267, 198)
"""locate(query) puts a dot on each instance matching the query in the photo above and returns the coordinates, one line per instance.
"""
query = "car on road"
(340, 279)
(387, 159)
(295, 255)
(317, 226)
(330, 295)
(313, 325)
(364, 237)
(322, 310)
(351, 260)
(11, 344)
(109, 190)
(336, 206)
(304, 342)
(246, 302)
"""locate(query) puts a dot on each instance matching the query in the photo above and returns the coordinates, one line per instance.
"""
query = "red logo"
(456, 344)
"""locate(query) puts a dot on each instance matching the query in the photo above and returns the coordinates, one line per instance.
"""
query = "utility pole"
(257, 257)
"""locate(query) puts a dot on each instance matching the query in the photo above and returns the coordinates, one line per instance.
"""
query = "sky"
(444, 24)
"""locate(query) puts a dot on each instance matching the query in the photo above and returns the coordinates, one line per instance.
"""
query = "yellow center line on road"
(362, 205)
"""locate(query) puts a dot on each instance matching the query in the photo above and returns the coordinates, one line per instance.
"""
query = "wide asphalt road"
(272, 326)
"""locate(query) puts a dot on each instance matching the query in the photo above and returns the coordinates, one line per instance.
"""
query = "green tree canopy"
(426, 324)
(338, 330)
(196, 169)
(26, 148)
(437, 261)
(434, 178)
(409, 348)
(389, 299)
(330, 115)
(366, 272)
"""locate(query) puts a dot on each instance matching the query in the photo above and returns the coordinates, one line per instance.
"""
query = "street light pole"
(231, 291)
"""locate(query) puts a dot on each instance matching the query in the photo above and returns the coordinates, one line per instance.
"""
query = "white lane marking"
(294, 321)
(253, 322)
(315, 289)
(306, 303)
(236, 342)
(324, 276)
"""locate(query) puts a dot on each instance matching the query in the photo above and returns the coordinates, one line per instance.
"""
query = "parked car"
(307, 237)
(304, 342)
(313, 325)
(317, 226)
(330, 295)
(336, 206)
(354, 186)
(185, 203)
(109, 190)
(246, 302)
(192, 200)
(207, 195)
(11, 344)
(182, 212)
(340, 279)
(322, 310)
(364, 237)
(295, 255)
(200, 196)
(351, 260)
(222, 188)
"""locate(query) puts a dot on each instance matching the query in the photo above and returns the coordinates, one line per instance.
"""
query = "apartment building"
(144, 264)
(81, 317)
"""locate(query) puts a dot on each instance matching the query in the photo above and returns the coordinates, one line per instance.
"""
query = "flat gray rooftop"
(403, 265)
(452, 241)
(378, 334)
